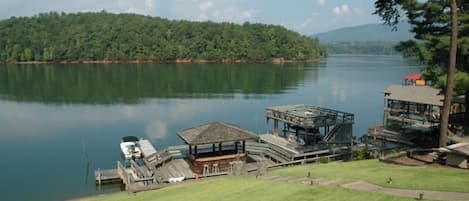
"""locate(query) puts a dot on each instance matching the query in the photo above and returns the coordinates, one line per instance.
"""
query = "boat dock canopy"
(415, 94)
(215, 132)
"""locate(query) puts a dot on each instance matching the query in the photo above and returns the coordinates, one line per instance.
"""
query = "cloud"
(304, 24)
(205, 5)
(146, 7)
(233, 14)
(156, 130)
(218, 11)
(341, 10)
(149, 4)
(322, 2)
(247, 14)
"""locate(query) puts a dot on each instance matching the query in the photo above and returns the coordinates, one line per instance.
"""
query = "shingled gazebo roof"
(215, 132)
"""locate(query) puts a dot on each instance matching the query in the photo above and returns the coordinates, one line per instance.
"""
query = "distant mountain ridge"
(368, 32)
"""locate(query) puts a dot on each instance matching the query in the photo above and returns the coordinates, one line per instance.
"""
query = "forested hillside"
(362, 47)
(54, 37)
(366, 33)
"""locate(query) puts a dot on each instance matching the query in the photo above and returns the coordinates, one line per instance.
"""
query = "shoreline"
(278, 61)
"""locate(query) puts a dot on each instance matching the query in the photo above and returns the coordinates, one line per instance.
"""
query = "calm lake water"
(53, 117)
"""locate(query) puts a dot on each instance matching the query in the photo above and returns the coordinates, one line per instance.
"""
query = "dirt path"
(367, 187)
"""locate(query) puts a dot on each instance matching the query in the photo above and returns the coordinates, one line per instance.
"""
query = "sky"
(304, 16)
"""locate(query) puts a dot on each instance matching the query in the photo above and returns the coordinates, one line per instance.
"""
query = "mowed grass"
(376, 172)
(240, 189)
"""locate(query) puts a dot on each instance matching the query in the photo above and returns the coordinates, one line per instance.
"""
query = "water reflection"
(130, 83)
(61, 111)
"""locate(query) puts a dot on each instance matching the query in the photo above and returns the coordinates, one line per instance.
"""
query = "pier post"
(219, 148)
(99, 176)
(244, 146)
(275, 127)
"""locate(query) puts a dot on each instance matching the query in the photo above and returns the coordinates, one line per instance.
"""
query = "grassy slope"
(237, 189)
(373, 171)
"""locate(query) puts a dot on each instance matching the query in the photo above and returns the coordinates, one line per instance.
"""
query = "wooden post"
(190, 149)
(236, 147)
(466, 113)
(99, 176)
(244, 146)
(195, 150)
(219, 149)
(213, 147)
(275, 127)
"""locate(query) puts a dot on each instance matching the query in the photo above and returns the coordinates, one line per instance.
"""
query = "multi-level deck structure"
(311, 125)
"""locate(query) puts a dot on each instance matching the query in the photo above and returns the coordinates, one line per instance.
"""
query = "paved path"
(365, 186)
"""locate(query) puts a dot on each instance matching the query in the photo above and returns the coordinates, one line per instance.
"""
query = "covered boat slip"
(412, 105)
(310, 126)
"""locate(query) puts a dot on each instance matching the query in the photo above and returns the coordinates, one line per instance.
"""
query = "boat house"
(228, 145)
(309, 127)
(418, 105)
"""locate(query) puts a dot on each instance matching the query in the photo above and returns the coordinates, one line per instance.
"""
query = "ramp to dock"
(280, 142)
(148, 151)
(175, 168)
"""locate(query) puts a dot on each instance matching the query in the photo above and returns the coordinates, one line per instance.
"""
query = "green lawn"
(240, 189)
(373, 171)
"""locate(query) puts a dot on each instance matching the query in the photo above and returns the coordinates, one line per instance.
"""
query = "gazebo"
(228, 144)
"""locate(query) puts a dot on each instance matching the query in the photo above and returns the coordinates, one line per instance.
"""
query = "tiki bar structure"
(311, 126)
(228, 145)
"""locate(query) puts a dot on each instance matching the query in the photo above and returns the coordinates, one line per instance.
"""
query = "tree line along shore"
(101, 37)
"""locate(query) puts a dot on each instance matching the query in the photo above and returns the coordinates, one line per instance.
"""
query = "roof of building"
(459, 148)
(459, 99)
(416, 94)
(215, 132)
(413, 76)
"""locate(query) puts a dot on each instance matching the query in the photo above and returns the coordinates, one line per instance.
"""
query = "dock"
(106, 176)
(217, 155)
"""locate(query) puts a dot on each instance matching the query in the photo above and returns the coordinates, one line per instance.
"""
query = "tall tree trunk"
(466, 114)
(451, 71)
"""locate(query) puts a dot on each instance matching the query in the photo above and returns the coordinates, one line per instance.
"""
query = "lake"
(55, 118)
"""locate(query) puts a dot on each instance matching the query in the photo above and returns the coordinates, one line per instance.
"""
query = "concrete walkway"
(367, 187)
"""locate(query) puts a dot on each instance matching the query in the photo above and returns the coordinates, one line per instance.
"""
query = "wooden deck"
(106, 176)
(175, 168)
(147, 148)
(280, 142)
(172, 164)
